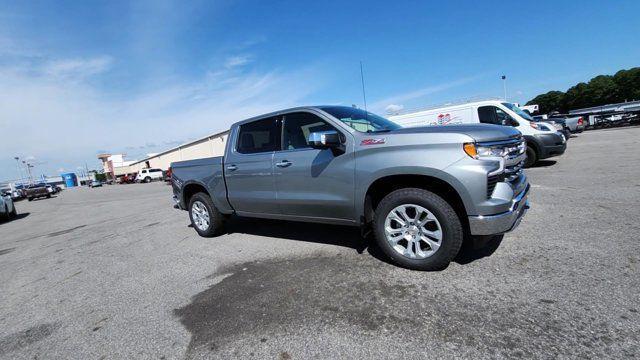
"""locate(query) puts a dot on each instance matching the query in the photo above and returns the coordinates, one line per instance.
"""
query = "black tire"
(30, 199)
(147, 179)
(532, 157)
(49, 196)
(216, 219)
(452, 233)
(14, 212)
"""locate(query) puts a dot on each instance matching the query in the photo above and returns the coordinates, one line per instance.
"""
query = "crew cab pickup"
(420, 190)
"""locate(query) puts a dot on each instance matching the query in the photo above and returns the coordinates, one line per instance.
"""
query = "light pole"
(504, 85)
(18, 167)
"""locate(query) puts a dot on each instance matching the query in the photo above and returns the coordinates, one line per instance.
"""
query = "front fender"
(413, 170)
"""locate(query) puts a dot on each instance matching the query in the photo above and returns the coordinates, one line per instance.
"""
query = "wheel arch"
(377, 189)
(191, 189)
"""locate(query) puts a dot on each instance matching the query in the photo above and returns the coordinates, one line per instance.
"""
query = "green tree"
(600, 90)
(548, 102)
(628, 84)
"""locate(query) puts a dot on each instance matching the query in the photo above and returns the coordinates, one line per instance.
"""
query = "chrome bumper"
(504, 222)
(176, 204)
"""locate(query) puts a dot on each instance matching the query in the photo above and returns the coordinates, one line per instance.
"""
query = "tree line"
(600, 90)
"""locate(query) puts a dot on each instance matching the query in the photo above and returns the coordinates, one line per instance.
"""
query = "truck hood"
(479, 132)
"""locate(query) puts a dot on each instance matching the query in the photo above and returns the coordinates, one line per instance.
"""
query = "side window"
(298, 126)
(258, 136)
(494, 115)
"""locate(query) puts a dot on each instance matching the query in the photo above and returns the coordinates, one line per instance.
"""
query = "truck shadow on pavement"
(345, 236)
(544, 163)
(18, 217)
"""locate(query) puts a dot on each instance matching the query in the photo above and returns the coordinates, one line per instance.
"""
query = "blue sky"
(79, 77)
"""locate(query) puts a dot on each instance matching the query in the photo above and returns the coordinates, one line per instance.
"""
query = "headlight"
(477, 151)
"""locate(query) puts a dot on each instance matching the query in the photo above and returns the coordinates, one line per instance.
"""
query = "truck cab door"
(312, 182)
(248, 167)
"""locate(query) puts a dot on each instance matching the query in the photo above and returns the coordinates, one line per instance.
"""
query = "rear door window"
(259, 136)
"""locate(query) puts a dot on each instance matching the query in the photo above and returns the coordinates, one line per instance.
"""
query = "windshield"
(518, 111)
(361, 120)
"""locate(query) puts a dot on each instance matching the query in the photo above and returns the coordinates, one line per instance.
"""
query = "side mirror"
(324, 139)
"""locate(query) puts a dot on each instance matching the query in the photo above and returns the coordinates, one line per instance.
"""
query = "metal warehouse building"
(212, 145)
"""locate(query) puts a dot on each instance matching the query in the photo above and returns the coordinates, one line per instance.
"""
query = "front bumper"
(177, 204)
(503, 222)
(551, 144)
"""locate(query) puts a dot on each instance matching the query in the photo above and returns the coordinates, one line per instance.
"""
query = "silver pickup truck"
(421, 191)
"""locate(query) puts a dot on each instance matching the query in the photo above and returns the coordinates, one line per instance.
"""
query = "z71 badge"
(373, 141)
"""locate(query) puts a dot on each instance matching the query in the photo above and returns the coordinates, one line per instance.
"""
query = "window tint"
(258, 136)
(494, 115)
(298, 126)
(155, 170)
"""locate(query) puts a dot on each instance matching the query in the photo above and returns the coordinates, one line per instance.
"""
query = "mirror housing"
(324, 139)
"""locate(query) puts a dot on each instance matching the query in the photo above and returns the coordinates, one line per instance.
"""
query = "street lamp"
(18, 167)
(504, 85)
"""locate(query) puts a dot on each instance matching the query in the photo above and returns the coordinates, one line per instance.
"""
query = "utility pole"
(18, 167)
(29, 166)
(504, 85)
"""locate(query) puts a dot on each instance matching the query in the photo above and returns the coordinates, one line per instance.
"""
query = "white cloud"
(237, 61)
(422, 92)
(61, 117)
(77, 68)
(393, 108)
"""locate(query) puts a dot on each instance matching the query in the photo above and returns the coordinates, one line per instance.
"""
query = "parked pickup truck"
(37, 191)
(420, 190)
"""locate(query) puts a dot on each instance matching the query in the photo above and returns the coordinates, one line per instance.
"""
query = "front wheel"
(147, 179)
(417, 229)
(14, 212)
(205, 218)
(532, 157)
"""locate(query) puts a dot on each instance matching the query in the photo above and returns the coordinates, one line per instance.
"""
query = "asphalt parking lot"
(116, 272)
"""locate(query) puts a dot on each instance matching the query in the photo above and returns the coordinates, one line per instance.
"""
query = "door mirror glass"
(324, 139)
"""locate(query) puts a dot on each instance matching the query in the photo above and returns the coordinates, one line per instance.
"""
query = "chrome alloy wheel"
(200, 215)
(413, 231)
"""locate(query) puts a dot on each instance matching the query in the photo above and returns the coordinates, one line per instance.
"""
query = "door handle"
(232, 167)
(284, 163)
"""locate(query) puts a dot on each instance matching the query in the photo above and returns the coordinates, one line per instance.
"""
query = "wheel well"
(534, 146)
(190, 190)
(383, 186)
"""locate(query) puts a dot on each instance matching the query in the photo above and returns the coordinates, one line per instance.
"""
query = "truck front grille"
(512, 171)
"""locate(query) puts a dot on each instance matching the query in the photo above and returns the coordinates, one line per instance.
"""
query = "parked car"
(36, 191)
(95, 183)
(7, 207)
(542, 142)
(417, 189)
(149, 175)
(557, 123)
(576, 124)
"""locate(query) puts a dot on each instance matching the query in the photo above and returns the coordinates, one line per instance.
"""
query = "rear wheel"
(205, 218)
(532, 157)
(417, 229)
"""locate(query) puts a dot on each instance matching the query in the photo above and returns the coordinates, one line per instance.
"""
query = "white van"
(543, 140)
